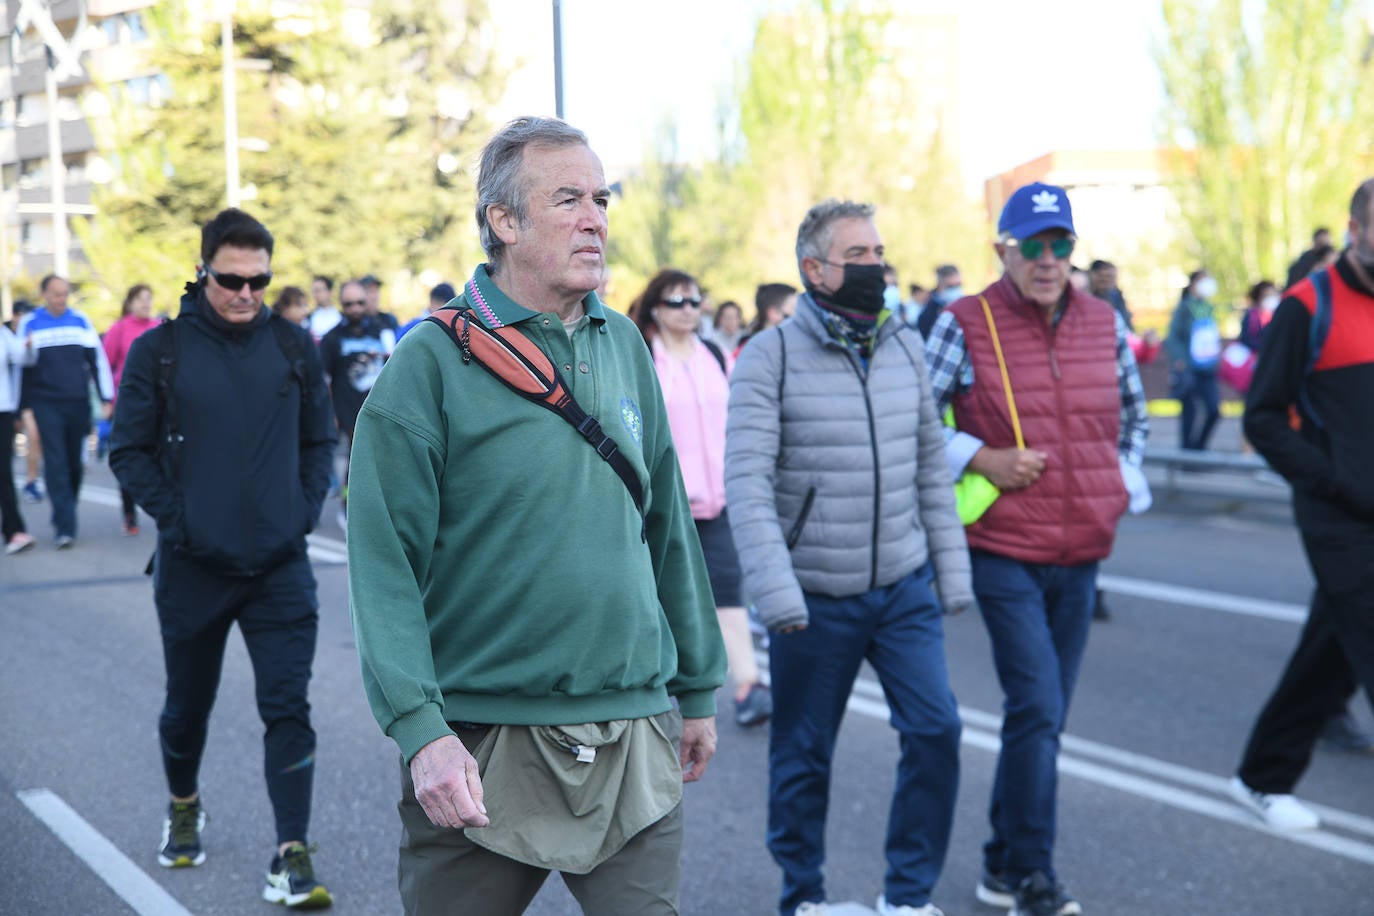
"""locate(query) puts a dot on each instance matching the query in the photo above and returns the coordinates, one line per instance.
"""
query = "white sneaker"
(886, 909)
(1280, 812)
(811, 909)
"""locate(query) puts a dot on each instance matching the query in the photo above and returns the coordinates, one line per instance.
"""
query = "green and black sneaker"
(291, 880)
(181, 835)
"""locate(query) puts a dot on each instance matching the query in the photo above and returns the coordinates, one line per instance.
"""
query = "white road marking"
(140, 892)
(1196, 597)
(981, 731)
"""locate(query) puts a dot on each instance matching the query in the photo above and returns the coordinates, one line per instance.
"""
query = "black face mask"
(861, 290)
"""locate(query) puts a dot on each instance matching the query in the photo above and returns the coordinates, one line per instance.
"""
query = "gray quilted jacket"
(835, 476)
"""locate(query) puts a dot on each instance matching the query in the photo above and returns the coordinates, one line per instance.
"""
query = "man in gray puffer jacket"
(843, 513)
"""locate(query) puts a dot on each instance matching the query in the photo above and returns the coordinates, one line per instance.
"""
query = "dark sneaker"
(995, 890)
(33, 492)
(1342, 732)
(291, 880)
(756, 707)
(181, 835)
(1039, 896)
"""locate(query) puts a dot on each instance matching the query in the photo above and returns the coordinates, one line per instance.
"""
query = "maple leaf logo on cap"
(1045, 202)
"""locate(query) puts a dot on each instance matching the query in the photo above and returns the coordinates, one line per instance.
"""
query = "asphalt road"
(1206, 592)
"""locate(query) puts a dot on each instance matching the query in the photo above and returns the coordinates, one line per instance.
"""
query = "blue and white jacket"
(62, 355)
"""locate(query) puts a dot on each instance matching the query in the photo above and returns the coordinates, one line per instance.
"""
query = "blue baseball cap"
(1033, 208)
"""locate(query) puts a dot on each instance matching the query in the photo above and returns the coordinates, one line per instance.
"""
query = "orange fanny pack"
(521, 366)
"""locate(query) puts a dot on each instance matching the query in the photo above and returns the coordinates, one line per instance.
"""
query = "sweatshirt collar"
(496, 309)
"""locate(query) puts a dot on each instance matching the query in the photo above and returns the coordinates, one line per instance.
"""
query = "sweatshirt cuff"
(414, 730)
(700, 704)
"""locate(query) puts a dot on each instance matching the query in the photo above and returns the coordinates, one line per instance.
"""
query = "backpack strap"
(1317, 332)
(290, 347)
(715, 351)
(519, 364)
(169, 427)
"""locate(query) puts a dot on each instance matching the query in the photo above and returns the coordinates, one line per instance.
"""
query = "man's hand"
(447, 785)
(106, 410)
(698, 746)
(1009, 468)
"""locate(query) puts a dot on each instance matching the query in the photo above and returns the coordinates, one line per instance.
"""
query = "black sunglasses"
(234, 282)
(678, 302)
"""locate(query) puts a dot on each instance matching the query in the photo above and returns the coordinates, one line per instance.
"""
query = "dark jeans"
(63, 427)
(1038, 617)
(276, 613)
(11, 519)
(1198, 390)
(1334, 653)
(899, 630)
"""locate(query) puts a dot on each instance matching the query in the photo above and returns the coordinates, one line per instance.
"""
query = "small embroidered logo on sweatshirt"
(630, 419)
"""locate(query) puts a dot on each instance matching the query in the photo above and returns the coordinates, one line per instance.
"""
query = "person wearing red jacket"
(1326, 459)
(1046, 395)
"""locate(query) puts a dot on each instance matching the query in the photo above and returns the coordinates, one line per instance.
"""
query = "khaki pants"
(442, 873)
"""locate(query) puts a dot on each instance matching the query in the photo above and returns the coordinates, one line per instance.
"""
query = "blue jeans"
(1037, 615)
(899, 629)
(1199, 389)
(62, 428)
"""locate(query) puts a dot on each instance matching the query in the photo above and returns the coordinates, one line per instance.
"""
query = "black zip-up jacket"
(248, 479)
(1331, 465)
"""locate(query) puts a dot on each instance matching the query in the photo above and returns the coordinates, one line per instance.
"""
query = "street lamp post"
(558, 58)
(231, 107)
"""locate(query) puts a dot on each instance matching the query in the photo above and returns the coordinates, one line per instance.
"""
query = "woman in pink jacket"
(692, 374)
(136, 317)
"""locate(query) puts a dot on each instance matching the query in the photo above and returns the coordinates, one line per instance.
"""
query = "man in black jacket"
(1327, 461)
(223, 433)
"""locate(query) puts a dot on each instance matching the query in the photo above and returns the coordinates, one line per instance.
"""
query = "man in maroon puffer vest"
(1049, 407)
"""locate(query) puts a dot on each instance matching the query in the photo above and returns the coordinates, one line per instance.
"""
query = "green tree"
(1267, 110)
(823, 114)
(820, 111)
(363, 146)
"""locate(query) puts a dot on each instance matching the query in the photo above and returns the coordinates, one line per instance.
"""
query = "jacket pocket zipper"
(795, 534)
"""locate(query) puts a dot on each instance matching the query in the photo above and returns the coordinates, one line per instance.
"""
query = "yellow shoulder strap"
(1006, 379)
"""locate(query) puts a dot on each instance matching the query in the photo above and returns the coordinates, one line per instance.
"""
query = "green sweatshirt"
(496, 567)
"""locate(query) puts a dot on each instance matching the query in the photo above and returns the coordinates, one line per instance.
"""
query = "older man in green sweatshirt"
(544, 653)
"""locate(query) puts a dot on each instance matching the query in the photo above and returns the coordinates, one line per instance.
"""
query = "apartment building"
(108, 36)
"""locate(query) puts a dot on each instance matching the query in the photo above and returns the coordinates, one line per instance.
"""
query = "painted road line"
(981, 731)
(1196, 597)
(144, 895)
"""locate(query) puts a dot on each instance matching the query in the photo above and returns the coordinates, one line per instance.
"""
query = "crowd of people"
(555, 554)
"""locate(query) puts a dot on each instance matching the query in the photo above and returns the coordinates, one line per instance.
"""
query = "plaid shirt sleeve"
(951, 371)
(1135, 421)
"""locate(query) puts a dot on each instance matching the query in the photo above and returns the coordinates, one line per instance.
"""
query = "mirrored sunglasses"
(1032, 249)
(678, 302)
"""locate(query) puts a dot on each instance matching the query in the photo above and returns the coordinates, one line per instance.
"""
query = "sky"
(1035, 76)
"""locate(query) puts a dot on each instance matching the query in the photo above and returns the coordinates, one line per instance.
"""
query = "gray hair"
(500, 180)
(818, 227)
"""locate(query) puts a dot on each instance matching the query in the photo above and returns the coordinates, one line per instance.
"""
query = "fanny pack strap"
(521, 366)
